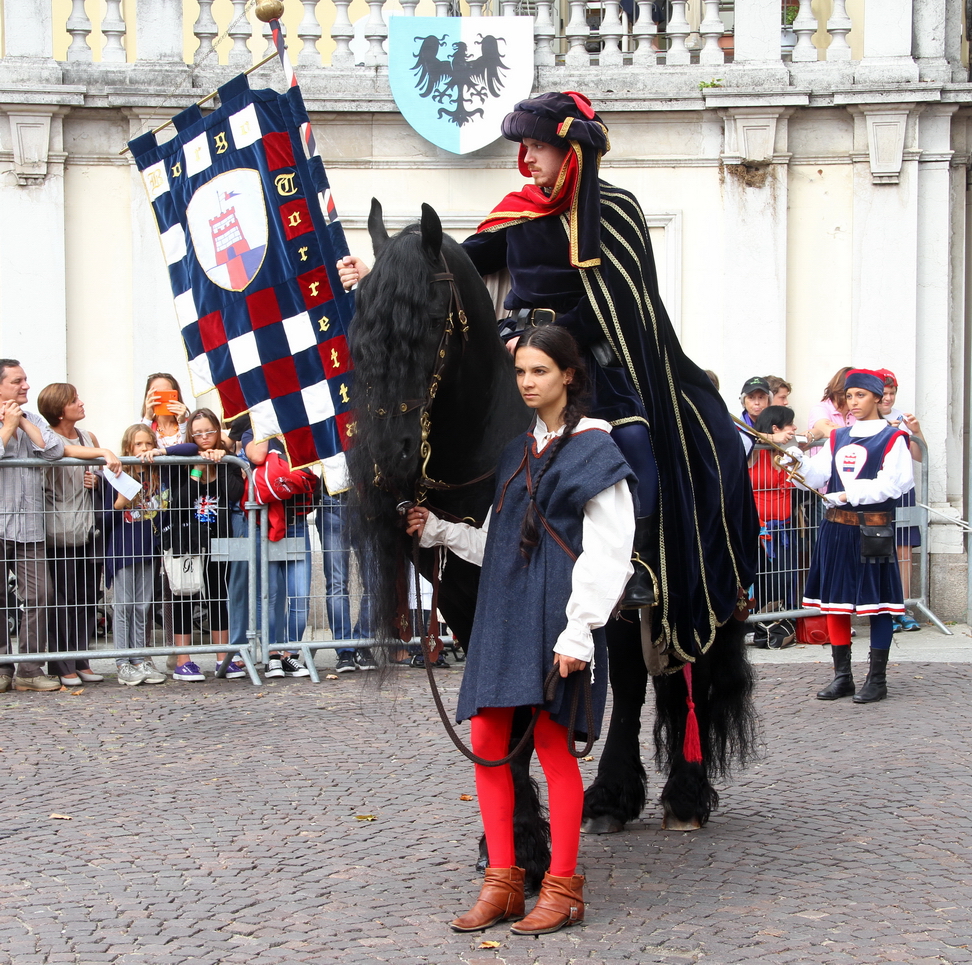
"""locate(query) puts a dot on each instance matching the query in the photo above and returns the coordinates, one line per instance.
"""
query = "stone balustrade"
(703, 46)
(347, 33)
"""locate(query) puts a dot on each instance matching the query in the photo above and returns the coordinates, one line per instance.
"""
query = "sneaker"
(130, 675)
(293, 669)
(364, 659)
(440, 662)
(188, 671)
(150, 673)
(345, 664)
(235, 670)
(907, 623)
(41, 682)
(275, 668)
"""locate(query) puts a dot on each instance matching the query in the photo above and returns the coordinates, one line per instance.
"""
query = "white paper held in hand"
(127, 485)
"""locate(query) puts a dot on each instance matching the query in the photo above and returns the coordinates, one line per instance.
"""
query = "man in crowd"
(24, 435)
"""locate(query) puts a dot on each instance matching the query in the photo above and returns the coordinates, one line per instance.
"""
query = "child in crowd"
(131, 560)
(200, 510)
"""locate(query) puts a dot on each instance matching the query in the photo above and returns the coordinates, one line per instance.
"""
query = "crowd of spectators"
(68, 534)
(125, 548)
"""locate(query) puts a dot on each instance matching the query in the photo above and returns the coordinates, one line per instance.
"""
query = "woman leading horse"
(555, 551)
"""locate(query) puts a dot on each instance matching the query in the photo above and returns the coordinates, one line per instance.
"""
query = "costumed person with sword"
(866, 468)
(555, 552)
(579, 257)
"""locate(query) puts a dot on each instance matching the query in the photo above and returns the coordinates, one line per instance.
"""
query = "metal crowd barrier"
(787, 545)
(75, 569)
(65, 598)
(66, 585)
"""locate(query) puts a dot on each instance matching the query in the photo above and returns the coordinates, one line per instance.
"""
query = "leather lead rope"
(549, 686)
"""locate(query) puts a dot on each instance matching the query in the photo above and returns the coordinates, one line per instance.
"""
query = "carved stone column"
(33, 323)
(755, 239)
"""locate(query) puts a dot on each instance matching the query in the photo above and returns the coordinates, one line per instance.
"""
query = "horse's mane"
(385, 342)
(390, 352)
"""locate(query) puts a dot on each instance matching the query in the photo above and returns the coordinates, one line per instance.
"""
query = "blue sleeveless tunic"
(521, 609)
(839, 581)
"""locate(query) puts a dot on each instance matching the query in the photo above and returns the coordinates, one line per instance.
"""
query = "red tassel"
(691, 746)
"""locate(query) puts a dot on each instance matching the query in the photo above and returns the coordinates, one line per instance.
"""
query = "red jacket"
(274, 483)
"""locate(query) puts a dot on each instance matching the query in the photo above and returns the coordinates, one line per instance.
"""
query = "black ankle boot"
(843, 683)
(643, 589)
(875, 687)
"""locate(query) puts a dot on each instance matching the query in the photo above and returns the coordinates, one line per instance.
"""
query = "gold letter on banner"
(284, 184)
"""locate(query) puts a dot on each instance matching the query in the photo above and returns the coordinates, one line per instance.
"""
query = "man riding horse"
(578, 254)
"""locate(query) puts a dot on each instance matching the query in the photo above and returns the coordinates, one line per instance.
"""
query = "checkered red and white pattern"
(277, 348)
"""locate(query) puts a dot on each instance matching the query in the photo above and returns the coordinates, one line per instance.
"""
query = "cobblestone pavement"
(222, 823)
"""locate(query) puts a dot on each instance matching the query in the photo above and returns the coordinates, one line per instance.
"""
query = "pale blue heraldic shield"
(455, 78)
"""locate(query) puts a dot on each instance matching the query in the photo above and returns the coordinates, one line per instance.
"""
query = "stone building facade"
(807, 188)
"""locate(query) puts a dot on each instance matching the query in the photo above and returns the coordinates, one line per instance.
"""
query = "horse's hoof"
(605, 824)
(671, 822)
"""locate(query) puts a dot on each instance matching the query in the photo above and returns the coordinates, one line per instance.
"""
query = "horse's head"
(406, 340)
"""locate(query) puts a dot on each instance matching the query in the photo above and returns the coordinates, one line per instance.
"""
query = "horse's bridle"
(456, 312)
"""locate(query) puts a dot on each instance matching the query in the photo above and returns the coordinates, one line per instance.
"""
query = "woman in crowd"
(167, 416)
(72, 497)
(555, 552)
(131, 560)
(865, 468)
(201, 497)
(831, 411)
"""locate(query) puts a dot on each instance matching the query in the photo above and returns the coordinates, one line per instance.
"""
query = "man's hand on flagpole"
(351, 269)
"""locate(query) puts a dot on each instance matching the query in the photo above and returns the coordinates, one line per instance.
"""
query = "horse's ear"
(376, 226)
(431, 232)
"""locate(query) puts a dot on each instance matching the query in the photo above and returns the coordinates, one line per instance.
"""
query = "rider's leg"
(635, 444)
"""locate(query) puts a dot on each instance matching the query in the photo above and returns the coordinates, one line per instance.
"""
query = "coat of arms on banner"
(455, 78)
(228, 224)
(251, 240)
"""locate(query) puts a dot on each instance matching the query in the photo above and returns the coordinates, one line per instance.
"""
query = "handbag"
(186, 574)
(877, 542)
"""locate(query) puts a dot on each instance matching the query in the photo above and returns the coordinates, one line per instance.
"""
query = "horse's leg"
(722, 688)
(618, 792)
(531, 829)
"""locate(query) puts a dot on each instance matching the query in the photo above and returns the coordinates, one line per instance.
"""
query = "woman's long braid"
(529, 533)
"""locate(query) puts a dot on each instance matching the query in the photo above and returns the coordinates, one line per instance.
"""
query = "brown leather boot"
(501, 898)
(561, 903)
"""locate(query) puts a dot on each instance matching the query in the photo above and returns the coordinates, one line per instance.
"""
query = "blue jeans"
(331, 526)
(239, 595)
(298, 580)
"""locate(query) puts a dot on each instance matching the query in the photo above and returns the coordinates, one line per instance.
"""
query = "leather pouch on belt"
(877, 542)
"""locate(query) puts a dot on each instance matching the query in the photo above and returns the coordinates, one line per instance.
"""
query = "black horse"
(436, 402)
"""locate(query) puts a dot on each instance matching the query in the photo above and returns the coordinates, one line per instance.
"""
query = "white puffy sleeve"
(467, 542)
(602, 570)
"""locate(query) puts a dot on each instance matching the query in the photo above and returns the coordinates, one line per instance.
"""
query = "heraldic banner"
(251, 240)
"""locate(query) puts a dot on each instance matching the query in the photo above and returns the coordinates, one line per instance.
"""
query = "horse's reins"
(455, 312)
(549, 684)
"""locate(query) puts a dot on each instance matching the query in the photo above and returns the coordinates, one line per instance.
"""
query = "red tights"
(565, 790)
(839, 629)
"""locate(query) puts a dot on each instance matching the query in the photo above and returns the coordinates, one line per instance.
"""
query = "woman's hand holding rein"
(568, 665)
(415, 521)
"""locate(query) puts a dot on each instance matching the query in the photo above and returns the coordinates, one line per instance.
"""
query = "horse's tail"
(722, 684)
